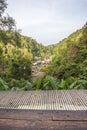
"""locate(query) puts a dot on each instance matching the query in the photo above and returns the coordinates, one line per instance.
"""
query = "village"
(42, 61)
(37, 65)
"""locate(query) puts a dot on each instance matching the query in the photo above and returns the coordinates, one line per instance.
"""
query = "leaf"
(3, 85)
(38, 83)
(28, 86)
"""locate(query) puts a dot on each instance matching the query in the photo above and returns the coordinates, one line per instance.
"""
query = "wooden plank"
(70, 115)
(42, 125)
(25, 114)
(44, 115)
(45, 100)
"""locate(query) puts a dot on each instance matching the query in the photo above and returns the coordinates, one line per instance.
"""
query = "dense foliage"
(70, 57)
(43, 83)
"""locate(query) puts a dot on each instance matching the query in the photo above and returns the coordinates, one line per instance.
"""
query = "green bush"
(21, 84)
(3, 85)
(50, 83)
(21, 68)
(38, 85)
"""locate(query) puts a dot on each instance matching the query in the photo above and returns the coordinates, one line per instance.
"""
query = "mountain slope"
(70, 56)
(19, 41)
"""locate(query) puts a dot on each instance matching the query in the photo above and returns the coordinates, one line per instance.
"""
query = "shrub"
(3, 85)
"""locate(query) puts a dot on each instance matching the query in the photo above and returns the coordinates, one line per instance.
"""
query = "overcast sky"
(48, 21)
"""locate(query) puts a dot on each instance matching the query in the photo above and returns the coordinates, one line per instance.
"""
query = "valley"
(35, 66)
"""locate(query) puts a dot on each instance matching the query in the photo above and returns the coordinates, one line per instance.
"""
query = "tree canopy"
(3, 6)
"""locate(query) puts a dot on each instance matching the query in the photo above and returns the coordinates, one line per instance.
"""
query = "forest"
(21, 56)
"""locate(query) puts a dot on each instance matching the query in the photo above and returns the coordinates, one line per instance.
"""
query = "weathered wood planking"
(38, 125)
(43, 110)
(54, 115)
(45, 100)
(42, 120)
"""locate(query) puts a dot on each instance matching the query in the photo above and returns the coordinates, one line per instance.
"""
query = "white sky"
(48, 21)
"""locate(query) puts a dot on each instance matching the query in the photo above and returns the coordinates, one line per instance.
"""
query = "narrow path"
(37, 75)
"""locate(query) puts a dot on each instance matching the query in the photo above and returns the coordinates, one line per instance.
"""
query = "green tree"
(21, 68)
(3, 6)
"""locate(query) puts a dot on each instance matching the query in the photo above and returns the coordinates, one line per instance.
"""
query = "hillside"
(19, 41)
(70, 56)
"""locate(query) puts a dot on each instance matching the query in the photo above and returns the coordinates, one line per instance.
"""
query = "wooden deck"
(43, 110)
